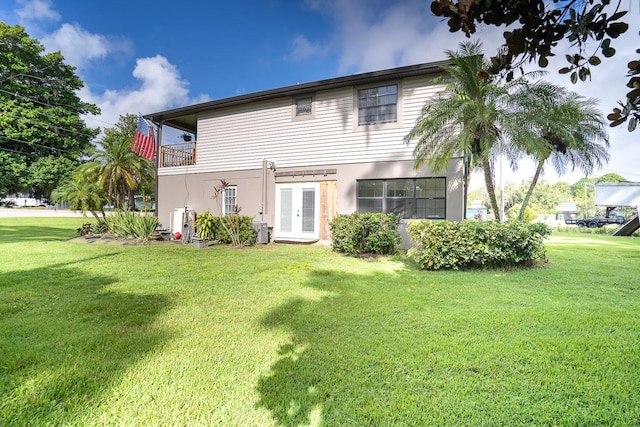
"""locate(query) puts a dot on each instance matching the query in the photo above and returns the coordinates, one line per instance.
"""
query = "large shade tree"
(470, 117)
(115, 168)
(40, 116)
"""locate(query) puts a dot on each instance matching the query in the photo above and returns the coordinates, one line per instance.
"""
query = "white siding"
(238, 138)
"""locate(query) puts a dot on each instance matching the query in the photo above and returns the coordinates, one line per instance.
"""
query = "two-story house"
(297, 156)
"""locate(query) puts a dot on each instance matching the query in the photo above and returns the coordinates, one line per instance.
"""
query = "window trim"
(294, 109)
(385, 198)
(377, 126)
(224, 200)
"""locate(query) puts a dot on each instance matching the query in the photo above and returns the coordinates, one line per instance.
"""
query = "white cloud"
(80, 48)
(160, 87)
(372, 35)
(303, 48)
(37, 10)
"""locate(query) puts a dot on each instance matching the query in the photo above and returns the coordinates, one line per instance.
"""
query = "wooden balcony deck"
(182, 154)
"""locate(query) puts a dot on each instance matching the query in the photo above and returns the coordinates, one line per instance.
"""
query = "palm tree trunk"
(95, 215)
(467, 181)
(534, 181)
(491, 191)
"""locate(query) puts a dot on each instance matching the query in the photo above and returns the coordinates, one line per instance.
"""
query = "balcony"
(183, 154)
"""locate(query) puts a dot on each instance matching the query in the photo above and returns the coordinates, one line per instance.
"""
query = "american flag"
(144, 143)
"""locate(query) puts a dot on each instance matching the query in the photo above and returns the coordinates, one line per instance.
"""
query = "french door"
(297, 211)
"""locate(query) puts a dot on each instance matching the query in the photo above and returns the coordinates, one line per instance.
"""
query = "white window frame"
(226, 192)
(294, 108)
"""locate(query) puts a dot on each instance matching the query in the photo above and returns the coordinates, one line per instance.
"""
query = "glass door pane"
(286, 210)
(308, 210)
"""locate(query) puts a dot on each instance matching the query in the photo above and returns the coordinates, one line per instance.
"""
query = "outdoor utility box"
(261, 231)
(182, 220)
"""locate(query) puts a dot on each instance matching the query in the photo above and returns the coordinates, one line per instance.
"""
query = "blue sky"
(145, 56)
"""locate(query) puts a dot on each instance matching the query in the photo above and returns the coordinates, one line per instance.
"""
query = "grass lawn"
(279, 335)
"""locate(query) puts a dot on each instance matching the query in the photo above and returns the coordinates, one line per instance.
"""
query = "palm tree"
(468, 118)
(115, 167)
(571, 132)
(82, 194)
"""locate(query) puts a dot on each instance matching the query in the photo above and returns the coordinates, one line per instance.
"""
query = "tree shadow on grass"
(65, 341)
(343, 365)
(34, 233)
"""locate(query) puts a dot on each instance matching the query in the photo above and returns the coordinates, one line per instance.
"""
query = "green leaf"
(482, 74)
(583, 73)
(616, 29)
(632, 124)
(569, 59)
(608, 52)
(594, 60)
(564, 70)
(618, 122)
(618, 15)
(633, 95)
(574, 77)
(543, 62)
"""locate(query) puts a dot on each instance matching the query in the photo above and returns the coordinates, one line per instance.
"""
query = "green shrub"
(241, 225)
(476, 244)
(130, 225)
(85, 230)
(372, 233)
(205, 225)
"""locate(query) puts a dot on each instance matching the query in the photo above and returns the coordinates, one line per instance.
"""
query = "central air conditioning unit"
(261, 231)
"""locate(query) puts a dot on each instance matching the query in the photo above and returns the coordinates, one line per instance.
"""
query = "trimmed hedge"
(368, 233)
(476, 244)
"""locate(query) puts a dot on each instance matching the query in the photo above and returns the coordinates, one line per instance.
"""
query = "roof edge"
(299, 89)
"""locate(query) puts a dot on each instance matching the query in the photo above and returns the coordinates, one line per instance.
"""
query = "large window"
(378, 105)
(409, 198)
(230, 200)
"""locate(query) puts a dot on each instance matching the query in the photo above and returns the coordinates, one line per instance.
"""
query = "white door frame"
(289, 224)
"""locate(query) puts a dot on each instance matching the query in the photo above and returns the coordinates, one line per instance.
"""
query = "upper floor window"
(378, 105)
(303, 108)
(407, 197)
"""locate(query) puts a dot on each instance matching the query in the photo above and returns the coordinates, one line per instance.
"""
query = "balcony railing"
(183, 154)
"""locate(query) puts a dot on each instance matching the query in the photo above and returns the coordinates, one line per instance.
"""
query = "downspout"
(264, 188)
(158, 145)
(465, 176)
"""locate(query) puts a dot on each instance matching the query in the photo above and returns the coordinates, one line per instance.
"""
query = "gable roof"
(185, 118)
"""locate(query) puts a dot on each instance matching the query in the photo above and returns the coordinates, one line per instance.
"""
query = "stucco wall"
(197, 189)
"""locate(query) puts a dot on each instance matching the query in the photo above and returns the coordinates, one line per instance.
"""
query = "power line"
(39, 111)
(10, 150)
(620, 173)
(66, 107)
(62, 150)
